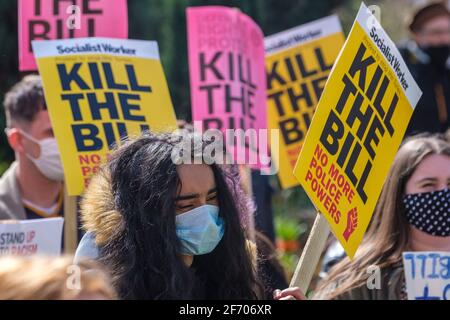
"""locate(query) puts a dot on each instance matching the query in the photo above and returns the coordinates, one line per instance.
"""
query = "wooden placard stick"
(70, 223)
(311, 254)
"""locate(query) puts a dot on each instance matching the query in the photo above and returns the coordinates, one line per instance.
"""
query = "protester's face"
(197, 187)
(40, 128)
(432, 174)
(436, 32)
(428, 230)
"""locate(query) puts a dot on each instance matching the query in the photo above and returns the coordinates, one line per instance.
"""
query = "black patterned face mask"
(429, 211)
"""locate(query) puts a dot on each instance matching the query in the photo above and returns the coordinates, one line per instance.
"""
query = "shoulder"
(98, 214)
(10, 198)
(394, 279)
(381, 284)
(7, 179)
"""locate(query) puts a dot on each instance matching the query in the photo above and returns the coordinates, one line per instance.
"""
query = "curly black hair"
(144, 258)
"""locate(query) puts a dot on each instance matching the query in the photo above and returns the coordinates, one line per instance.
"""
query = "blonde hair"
(387, 235)
(52, 278)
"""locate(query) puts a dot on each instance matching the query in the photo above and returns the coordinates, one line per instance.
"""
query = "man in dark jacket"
(427, 58)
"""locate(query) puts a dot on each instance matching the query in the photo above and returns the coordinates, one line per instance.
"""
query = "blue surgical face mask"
(199, 230)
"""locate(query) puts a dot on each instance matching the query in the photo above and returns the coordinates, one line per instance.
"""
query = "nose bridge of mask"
(197, 221)
(444, 190)
(444, 194)
(434, 193)
(197, 213)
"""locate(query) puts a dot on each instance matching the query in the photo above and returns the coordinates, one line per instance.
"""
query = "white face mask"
(49, 162)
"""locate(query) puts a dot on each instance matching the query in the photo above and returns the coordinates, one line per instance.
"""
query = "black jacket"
(426, 114)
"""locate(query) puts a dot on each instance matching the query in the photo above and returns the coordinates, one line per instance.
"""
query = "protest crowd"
(110, 196)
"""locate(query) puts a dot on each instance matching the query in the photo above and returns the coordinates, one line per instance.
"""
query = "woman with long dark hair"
(169, 231)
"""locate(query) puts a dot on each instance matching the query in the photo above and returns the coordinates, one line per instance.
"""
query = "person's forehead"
(433, 166)
(437, 23)
(195, 178)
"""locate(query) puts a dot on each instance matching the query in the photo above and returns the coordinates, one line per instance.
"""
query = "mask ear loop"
(29, 137)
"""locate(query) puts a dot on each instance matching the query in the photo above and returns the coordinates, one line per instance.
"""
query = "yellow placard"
(357, 128)
(97, 91)
(298, 62)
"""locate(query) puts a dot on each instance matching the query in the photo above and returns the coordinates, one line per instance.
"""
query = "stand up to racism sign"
(357, 128)
(62, 19)
(227, 76)
(99, 90)
(31, 237)
(298, 62)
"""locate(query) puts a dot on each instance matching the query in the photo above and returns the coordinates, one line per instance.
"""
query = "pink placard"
(49, 19)
(227, 77)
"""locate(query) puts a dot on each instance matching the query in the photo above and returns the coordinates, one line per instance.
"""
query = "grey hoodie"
(11, 206)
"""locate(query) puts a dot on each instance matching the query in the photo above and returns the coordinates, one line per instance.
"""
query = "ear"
(15, 140)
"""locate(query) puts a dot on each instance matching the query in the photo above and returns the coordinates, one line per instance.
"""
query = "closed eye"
(185, 207)
(212, 196)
